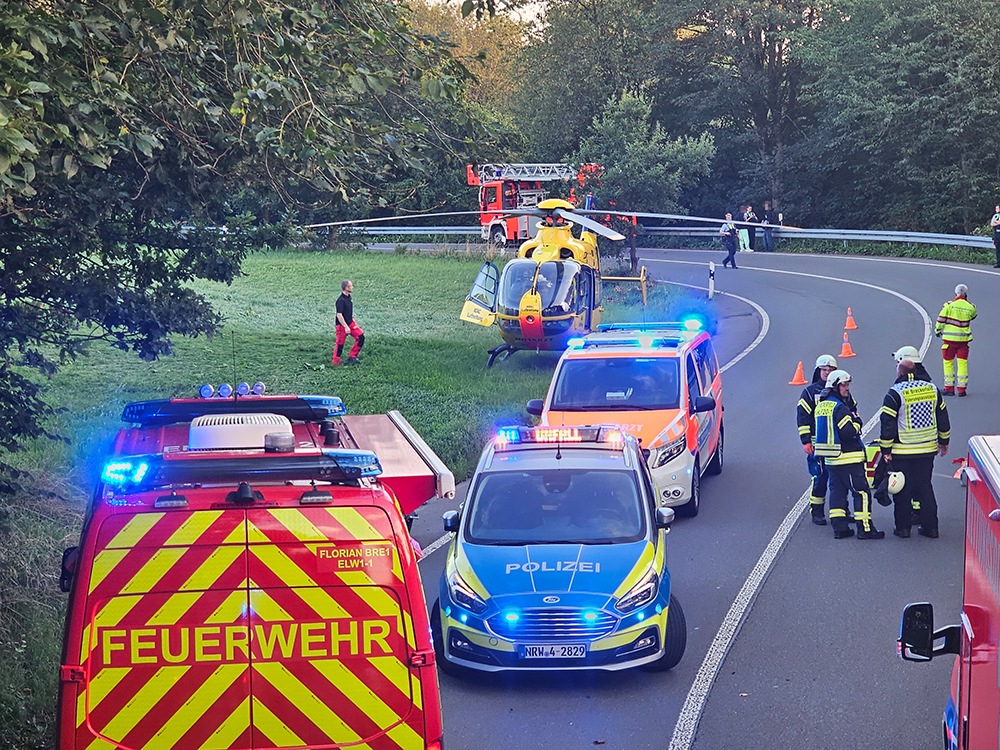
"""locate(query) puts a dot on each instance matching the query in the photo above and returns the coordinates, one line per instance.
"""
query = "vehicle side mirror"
(535, 406)
(450, 521)
(704, 403)
(645, 453)
(664, 517)
(916, 632)
(67, 570)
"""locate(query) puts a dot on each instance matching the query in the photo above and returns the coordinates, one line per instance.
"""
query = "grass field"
(418, 358)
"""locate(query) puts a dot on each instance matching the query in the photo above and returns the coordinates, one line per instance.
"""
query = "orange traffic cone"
(799, 377)
(845, 350)
(850, 325)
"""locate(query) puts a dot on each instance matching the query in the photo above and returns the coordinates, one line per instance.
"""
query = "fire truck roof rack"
(171, 411)
(541, 172)
(140, 473)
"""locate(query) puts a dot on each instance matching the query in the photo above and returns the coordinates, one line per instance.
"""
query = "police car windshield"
(617, 384)
(556, 506)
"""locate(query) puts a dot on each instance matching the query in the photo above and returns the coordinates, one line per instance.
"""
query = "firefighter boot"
(843, 532)
(873, 534)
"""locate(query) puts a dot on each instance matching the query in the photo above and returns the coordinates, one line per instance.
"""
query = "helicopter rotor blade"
(407, 217)
(589, 224)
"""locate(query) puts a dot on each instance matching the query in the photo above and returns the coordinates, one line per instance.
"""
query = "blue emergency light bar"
(172, 411)
(688, 323)
(139, 473)
(610, 435)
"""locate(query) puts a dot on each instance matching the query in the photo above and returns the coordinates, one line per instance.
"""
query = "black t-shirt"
(345, 307)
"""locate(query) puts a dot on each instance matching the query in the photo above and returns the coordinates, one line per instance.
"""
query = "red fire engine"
(970, 718)
(245, 579)
(506, 187)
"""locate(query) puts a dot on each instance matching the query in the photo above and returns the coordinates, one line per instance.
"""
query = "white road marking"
(694, 704)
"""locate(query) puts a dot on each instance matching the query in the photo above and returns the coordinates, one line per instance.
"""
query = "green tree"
(643, 168)
(588, 52)
(908, 137)
(131, 133)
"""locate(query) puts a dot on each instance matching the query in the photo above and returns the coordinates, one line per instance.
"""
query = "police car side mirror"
(450, 521)
(534, 407)
(704, 403)
(67, 570)
(664, 517)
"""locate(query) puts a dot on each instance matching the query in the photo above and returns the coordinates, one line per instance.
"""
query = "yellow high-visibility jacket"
(954, 322)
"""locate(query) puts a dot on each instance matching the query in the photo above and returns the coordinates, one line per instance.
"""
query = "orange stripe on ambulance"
(121, 647)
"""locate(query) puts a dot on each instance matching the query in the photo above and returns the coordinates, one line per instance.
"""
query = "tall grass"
(418, 358)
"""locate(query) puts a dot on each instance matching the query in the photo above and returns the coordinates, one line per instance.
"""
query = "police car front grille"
(552, 625)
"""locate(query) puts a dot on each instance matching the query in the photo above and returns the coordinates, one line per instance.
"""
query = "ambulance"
(245, 579)
(661, 381)
(970, 716)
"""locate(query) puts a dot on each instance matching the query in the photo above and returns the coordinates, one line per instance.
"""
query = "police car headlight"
(463, 595)
(641, 594)
(668, 452)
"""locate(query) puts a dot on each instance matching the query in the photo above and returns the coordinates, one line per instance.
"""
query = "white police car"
(559, 559)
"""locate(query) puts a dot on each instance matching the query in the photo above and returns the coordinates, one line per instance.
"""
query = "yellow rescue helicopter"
(549, 293)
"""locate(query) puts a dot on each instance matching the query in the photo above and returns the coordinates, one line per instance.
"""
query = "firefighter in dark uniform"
(838, 442)
(914, 428)
(810, 397)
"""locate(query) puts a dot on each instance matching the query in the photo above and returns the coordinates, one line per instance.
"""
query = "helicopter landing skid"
(499, 352)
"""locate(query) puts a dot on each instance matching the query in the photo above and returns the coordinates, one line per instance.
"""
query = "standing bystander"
(751, 217)
(346, 325)
(954, 328)
(914, 428)
(767, 219)
(728, 234)
(995, 223)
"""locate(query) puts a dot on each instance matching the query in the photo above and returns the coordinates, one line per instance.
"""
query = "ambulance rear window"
(617, 384)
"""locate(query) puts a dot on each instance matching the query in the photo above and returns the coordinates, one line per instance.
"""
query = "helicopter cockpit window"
(557, 284)
(514, 282)
(617, 384)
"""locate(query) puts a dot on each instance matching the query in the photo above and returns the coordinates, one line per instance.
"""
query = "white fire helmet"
(907, 352)
(826, 360)
(896, 482)
(961, 290)
(837, 377)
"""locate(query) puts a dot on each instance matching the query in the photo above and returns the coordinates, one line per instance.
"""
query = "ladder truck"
(508, 187)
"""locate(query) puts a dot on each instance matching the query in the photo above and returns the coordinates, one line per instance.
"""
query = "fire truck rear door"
(331, 630)
(165, 649)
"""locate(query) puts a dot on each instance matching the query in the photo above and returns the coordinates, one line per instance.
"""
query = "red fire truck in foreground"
(245, 579)
(505, 187)
(970, 718)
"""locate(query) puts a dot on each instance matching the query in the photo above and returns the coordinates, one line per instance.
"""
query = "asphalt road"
(791, 634)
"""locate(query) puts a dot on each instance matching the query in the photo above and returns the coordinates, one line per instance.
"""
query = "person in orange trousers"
(347, 326)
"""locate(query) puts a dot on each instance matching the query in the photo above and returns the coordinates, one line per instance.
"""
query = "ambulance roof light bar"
(608, 435)
(688, 323)
(138, 473)
(171, 411)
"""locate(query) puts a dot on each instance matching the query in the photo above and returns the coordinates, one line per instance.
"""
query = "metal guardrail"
(846, 235)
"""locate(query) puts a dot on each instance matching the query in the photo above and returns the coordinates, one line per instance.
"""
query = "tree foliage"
(136, 139)
(909, 131)
(642, 167)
